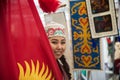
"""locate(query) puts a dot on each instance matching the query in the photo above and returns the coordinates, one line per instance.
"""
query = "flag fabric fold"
(25, 53)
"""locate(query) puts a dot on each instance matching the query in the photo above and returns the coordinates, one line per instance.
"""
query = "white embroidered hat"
(55, 29)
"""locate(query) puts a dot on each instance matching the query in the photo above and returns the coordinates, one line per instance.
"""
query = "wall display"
(102, 18)
(86, 51)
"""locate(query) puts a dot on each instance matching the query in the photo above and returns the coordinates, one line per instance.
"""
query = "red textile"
(22, 38)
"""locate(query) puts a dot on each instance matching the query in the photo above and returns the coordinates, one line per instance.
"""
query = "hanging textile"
(25, 53)
(86, 51)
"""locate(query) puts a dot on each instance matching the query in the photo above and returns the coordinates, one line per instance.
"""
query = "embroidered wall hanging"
(86, 51)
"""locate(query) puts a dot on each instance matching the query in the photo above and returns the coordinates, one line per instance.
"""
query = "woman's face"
(58, 45)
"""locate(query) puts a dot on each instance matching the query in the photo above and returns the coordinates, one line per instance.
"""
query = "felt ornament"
(49, 6)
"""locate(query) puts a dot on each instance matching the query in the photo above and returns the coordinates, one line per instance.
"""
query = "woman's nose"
(59, 46)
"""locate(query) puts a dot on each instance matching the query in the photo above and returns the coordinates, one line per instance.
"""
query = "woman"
(56, 36)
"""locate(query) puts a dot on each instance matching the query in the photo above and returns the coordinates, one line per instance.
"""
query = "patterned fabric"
(86, 51)
(55, 29)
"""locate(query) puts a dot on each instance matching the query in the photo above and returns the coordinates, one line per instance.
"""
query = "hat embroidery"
(54, 32)
(55, 29)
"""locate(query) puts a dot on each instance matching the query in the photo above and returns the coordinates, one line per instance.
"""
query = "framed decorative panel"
(102, 18)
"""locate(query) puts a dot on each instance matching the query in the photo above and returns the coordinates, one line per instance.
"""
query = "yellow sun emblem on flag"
(34, 73)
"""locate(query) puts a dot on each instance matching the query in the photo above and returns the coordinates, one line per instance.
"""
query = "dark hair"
(65, 66)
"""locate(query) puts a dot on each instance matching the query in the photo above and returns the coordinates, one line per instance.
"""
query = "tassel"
(49, 6)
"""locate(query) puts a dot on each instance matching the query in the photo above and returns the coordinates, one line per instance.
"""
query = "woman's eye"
(54, 42)
(63, 42)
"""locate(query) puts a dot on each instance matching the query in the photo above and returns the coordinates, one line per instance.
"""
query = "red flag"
(25, 53)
